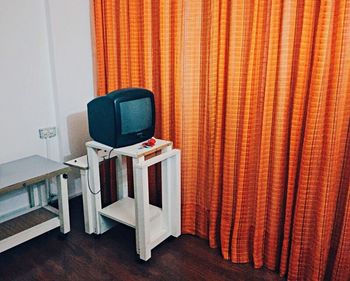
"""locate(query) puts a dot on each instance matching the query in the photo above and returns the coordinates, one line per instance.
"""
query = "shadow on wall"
(78, 134)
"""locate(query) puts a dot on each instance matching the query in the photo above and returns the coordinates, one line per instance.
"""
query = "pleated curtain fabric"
(256, 94)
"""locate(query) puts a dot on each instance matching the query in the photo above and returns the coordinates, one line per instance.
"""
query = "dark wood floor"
(112, 257)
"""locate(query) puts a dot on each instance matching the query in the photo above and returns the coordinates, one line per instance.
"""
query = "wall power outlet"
(46, 133)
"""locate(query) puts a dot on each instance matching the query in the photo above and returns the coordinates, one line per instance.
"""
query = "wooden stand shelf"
(152, 224)
(123, 211)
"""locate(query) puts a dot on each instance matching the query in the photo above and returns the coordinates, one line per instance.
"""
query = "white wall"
(46, 79)
(71, 63)
(26, 87)
(71, 60)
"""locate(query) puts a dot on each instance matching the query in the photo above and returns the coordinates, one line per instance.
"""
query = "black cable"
(88, 177)
(88, 171)
(109, 154)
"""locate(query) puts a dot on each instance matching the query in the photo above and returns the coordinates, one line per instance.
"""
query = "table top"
(80, 163)
(135, 151)
(27, 171)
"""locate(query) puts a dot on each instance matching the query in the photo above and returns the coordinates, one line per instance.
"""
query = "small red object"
(150, 142)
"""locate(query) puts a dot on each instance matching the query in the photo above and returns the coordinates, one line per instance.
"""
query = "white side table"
(39, 217)
(152, 224)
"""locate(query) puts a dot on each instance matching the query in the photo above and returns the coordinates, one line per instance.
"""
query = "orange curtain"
(257, 96)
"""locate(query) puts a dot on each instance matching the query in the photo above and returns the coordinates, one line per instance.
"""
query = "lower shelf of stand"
(123, 211)
(27, 226)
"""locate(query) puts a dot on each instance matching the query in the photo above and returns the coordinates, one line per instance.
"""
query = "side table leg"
(31, 196)
(63, 205)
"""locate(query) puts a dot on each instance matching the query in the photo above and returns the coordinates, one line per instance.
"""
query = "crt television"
(122, 117)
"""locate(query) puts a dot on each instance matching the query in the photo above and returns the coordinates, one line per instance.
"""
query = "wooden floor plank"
(113, 257)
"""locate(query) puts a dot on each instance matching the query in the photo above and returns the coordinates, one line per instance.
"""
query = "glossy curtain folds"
(257, 96)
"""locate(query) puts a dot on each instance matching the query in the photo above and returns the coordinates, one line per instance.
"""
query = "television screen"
(135, 115)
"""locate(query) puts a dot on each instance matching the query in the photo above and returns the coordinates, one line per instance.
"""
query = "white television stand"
(152, 224)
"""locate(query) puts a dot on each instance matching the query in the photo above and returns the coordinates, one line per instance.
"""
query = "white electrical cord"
(48, 182)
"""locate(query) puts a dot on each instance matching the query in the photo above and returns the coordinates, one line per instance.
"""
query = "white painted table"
(152, 224)
(40, 217)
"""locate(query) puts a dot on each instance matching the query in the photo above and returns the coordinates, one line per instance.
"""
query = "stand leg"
(87, 202)
(142, 211)
(63, 206)
(166, 190)
(122, 177)
(95, 186)
(176, 196)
